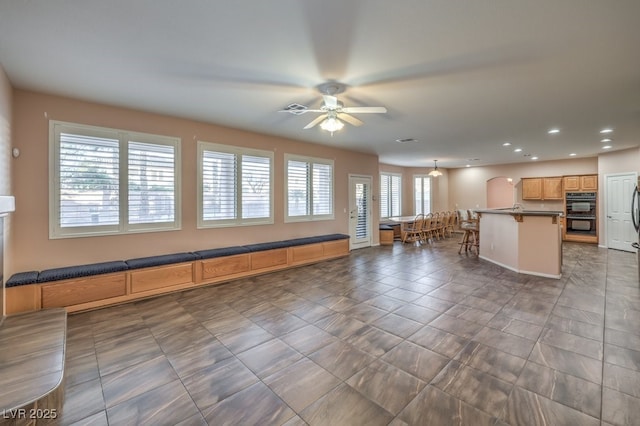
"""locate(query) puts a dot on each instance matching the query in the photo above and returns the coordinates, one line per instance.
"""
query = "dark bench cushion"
(68, 272)
(333, 237)
(386, 228)
(166, 259)
(267, 246)
(220, 252)
(317, 239)
(22, 278)
(295, 242)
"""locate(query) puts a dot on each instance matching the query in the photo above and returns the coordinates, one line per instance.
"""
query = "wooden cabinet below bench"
(95, 291)
(268, 259)
(224, 266)
(82, 290)
(161, 276)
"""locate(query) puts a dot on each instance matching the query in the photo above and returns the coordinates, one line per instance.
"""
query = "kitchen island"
(524, 241)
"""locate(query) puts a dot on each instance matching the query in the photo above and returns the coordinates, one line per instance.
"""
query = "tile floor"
(390, 335)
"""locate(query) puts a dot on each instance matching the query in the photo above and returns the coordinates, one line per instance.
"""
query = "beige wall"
(614, 162)
(439, 187)
(32, 249)
(468, 186)
(5, 134)
(5, 165)
(500, 193)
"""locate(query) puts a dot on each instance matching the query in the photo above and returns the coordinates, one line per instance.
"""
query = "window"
(235, 186)
(390, 190)
(108, 181)
(422, 194)
(309, 188)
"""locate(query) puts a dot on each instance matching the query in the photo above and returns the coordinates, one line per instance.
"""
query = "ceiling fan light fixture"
(331, 124)
(435, 172)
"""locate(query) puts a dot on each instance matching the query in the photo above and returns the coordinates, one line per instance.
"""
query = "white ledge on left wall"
(7, 204)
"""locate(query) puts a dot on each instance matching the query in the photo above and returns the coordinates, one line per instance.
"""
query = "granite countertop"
(522, 212)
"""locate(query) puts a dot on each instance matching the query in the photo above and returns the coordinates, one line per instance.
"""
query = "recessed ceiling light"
(534, 158)
(607, 147)
(506, 144)
(607, 130)
(605, 140)
(517, 150)
(468, 165)
(573, 154)
(554, 131)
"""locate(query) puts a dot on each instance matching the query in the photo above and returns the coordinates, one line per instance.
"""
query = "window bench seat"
(84, 287)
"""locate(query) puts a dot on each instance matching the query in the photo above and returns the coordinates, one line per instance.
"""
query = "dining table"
(400, 222)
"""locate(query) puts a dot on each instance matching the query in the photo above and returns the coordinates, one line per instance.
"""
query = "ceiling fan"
(334, 113)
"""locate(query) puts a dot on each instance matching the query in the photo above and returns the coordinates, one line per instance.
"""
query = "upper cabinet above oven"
(581, 183)
(547, 188)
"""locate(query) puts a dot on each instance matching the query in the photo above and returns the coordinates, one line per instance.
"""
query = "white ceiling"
(460, 77)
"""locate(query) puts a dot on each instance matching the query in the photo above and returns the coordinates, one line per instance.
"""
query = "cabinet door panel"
(552, 189)
(532, 189)
(589, 183)
(571, 183)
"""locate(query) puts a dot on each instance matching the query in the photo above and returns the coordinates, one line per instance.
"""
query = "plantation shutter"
(256, 187)
(219, 193)
(151, 183)
(89, 181)
(395, 195)
(322, 188)
(298, 188)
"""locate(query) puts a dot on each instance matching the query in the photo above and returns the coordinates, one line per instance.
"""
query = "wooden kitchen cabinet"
(552, 188)
(581, 183)
(532, 189)
(548, 188)
(589, 183)
(572, 183)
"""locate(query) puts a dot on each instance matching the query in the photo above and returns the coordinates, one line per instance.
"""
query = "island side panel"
(540, 246)
(499, 240)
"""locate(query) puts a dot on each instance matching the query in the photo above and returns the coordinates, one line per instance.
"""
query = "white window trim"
(399, 175)
(424, 177)
(123, 136)
(238, 221)
(311, 161)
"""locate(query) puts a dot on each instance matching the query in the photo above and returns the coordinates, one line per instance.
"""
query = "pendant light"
(435, 172)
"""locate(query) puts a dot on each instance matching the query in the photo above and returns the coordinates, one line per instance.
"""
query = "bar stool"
(471, 237)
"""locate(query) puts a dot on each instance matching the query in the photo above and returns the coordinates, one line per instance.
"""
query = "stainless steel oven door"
(580, 206)
(581, 225)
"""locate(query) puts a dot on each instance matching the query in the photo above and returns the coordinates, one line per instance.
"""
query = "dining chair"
(451, 223)
(439, 225)
(412, 231)
(427, 227)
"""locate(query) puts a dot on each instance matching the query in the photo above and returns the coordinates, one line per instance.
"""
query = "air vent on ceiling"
(406, 140)
(296, 109)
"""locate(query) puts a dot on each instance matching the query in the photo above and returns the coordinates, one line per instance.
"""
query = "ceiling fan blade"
(300, 111)
(350, 119)
(315, 122)
(365, 110)
(330, 102)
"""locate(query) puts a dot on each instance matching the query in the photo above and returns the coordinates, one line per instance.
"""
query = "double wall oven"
(581, 213)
